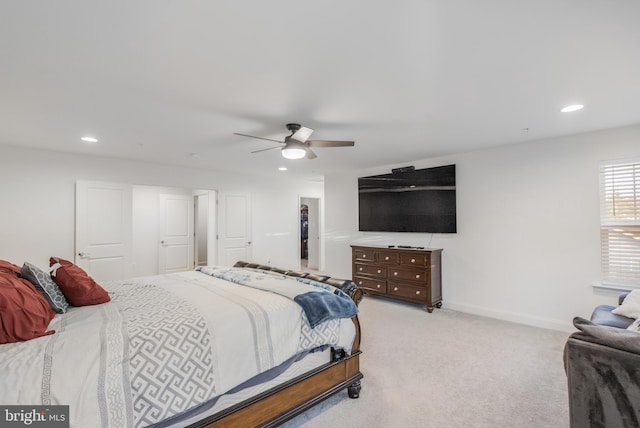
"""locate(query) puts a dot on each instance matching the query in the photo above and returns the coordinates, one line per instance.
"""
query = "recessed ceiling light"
(282, 168)
(572, 107)
(89, 139)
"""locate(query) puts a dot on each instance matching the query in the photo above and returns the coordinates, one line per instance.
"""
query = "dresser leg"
(439, 305)
(429, 309)
(354, 389)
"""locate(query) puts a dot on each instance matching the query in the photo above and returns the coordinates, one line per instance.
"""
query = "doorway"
(201, 228)
(309, 234)
(119, 233)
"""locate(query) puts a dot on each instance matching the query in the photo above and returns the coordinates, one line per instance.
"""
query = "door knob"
(83, 255)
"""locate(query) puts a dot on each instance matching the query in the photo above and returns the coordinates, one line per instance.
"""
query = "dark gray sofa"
(602, 363)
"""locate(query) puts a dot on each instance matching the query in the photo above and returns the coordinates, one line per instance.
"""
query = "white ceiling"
(410, 79)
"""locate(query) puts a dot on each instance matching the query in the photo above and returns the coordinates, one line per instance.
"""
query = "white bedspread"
(163, 345)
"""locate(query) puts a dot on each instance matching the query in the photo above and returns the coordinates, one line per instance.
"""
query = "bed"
(244, 346)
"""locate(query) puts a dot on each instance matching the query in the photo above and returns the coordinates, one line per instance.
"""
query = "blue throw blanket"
(319, 302)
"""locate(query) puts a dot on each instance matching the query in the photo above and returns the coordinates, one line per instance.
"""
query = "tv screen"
(421, 200)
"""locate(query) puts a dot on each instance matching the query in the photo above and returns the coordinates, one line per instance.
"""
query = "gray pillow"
(45, 285)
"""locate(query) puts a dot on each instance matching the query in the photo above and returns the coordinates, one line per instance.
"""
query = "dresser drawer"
(373, 270)
(364, 254)
(407, 291)
(378, 286)
(420, 260)
(387, 257)
(413, 275)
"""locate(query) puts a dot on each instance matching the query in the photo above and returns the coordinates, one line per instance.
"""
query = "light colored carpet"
(449, 369)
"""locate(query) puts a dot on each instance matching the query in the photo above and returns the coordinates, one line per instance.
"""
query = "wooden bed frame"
(283, 402)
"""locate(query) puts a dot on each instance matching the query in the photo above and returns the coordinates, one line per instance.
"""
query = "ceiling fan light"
(293, 151)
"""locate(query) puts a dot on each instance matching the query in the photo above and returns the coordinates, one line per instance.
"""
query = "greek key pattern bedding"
(325, 333)
(162, 346)
(169, 352)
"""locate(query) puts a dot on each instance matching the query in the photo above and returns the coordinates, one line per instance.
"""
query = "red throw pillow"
(8, 267)
(77, 286)
(24, 312)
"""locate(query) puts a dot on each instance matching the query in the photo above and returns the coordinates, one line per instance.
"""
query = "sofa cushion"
(603, 315)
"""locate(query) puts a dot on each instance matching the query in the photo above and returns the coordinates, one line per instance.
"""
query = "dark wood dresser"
(409, 274)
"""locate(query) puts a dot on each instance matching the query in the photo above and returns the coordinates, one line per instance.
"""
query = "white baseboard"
(551, 324)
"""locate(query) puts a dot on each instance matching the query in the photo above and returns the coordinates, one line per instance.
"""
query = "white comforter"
(163, 345)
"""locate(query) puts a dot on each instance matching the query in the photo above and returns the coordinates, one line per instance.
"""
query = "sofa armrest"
(603, 383)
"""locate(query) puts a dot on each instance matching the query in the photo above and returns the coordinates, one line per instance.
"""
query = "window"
(620, 222)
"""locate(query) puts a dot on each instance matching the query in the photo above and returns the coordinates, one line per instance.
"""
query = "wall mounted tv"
(409, 200)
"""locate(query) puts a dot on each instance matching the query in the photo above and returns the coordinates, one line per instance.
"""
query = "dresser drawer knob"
(364, 256)
(417, 276)
(378, 285)
(386, 258)
(395, 288)
(395, 274)
(359, 282)
(413, 260)
(360, 269)
(379, 271)
(418, 292)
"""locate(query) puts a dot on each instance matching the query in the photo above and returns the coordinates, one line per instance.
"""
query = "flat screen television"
(413, 200)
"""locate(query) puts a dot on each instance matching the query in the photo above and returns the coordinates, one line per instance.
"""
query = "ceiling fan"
(297, 145)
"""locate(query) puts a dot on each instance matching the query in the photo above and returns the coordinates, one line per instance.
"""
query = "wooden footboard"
(285, 401)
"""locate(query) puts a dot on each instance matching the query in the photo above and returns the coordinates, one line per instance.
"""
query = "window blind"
(620, 222)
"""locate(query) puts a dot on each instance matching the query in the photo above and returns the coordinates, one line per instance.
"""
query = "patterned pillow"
(45, 285)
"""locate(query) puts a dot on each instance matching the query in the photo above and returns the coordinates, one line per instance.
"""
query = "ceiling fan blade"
(302, 134)
(259, 138)
(310, 154)
(324, 143)
(264, 150)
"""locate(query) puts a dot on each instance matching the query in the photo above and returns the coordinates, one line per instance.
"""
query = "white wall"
(527, 247)
(37, 190)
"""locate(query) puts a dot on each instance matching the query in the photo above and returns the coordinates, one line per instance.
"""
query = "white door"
(103, 229)
(234, 228)
(176, 233)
